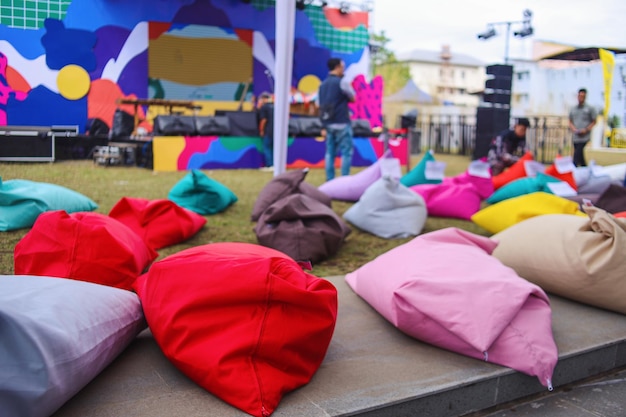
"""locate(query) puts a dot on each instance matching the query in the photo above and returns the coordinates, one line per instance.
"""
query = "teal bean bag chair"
(523, 186)
(418, 174)
(201, 194)
(22, 201)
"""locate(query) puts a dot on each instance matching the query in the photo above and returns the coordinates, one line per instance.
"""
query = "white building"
(450, 78)
(549, 87)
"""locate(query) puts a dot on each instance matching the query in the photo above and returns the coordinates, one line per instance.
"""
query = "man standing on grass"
(266, 128)
(334, 96)
(582, 118)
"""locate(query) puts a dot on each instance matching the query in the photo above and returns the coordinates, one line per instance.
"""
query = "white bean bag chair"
(389, 210)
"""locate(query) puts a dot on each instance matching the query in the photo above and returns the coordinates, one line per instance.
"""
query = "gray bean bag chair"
(57, 335)
(301, 227)
(389, 210)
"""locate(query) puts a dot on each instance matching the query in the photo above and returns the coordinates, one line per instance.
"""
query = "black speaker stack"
(494, 113)
(181, 125)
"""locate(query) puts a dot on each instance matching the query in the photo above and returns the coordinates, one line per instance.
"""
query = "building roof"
(421, 55)
(583, 54)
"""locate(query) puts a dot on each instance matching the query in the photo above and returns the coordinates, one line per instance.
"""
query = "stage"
(176, 153)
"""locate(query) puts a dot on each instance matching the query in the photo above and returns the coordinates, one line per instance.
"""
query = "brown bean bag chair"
(580, 258)
(287, 183)
(613, 199)
(301, 227)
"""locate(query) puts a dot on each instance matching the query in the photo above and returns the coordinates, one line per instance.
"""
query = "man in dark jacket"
(266, 128)
(334, 96)
(508, 147)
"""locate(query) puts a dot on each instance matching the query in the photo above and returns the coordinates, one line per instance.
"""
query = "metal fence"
(547, 137)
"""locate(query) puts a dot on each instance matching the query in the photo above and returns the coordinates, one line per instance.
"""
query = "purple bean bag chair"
(352, 187)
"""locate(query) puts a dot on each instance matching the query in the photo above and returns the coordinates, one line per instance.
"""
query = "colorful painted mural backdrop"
(213, 152)
(64, 62)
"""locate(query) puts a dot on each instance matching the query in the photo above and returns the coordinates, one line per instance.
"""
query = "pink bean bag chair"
(445, 288)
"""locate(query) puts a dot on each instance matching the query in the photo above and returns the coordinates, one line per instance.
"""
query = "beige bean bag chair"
(580, 258)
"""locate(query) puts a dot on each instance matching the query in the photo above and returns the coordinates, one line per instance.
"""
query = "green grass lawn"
(106, 185)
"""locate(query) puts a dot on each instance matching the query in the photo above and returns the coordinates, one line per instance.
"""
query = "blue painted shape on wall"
(43, 107)
(111, 39)
(68, 46)
(134, 76)
(202, 12)
(95, 14)
(310, 60)
(26, 42)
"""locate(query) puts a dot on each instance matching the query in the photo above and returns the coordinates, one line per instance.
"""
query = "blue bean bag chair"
(22, 201)
(523, 186)
(201, 194)
(418, 174)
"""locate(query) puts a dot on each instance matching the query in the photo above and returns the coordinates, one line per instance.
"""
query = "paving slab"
(603, 396)
(371, 369)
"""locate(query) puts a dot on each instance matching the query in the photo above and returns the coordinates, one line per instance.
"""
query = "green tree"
(384, 63)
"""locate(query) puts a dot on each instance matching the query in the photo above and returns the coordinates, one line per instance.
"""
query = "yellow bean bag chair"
(580, 258)
(499, 216)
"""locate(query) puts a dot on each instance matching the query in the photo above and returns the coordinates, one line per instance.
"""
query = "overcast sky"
(414, 24)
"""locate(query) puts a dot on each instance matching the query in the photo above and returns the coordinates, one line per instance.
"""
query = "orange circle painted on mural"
(73, 82)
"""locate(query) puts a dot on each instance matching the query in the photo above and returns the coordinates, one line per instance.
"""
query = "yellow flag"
(608, 64)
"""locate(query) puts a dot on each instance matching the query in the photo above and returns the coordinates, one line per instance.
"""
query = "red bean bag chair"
(243, 321)
(160, 223)
(515, 171)
(84, 246)
(563, 173)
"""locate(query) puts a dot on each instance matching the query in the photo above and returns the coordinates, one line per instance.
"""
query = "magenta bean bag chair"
(450, 200)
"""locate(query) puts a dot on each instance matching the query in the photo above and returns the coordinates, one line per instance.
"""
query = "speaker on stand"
(494, 113)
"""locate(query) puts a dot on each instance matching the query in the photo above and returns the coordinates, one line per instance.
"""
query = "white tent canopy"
(410, 93)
